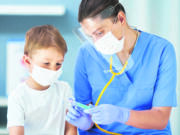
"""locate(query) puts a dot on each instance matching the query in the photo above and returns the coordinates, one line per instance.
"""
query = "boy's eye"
(58, 64)
(47, 63)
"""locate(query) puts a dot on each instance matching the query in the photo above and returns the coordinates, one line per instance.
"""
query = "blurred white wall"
(160, 17)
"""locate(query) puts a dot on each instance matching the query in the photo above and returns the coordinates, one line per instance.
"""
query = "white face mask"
(44, 76)
(109, 44)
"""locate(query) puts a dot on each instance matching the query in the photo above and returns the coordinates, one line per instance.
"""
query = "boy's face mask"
(45, 77)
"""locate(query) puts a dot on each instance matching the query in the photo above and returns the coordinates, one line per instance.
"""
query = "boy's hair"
(44, 36)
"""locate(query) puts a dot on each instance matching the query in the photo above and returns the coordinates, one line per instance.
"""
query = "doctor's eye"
(100, 34)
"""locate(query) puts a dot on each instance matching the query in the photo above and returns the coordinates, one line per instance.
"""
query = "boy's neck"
(34, 85)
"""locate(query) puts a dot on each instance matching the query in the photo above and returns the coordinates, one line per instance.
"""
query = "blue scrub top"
(150, 82)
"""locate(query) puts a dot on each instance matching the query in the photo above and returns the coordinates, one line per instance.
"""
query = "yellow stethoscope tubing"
(104, 89)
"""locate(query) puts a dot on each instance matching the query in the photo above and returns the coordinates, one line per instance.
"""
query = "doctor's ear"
(121, 17)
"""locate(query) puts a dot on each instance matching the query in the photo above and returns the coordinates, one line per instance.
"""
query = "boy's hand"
(78, 118)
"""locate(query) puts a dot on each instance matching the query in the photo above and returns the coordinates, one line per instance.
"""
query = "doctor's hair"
(105, 8)
(44, 36)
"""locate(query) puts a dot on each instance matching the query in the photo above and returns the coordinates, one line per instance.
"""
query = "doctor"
(128, 75)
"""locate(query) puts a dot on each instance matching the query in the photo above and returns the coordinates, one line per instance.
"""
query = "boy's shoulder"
(19, 90)
(63, 87)
(18, 94)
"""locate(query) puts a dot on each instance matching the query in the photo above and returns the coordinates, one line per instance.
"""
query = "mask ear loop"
(115, 20)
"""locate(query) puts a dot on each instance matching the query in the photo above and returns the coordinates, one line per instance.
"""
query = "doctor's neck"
(131, 37)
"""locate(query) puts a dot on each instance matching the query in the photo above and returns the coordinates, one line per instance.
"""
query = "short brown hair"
(44, 36)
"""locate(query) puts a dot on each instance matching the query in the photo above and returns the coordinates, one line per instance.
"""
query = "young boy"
(38, 106)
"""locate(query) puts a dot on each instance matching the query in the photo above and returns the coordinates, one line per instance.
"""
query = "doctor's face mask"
(104, 35)
(109, 44)
(104, 32)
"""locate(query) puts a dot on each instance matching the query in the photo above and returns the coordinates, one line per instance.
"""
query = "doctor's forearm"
(150, 119)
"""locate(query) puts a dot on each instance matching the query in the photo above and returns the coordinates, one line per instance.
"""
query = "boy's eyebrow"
(57, 60)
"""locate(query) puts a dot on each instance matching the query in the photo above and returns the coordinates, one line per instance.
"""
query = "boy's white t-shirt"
(40, 112)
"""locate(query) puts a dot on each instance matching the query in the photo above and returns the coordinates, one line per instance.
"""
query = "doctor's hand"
(78, 118)
(106, 114)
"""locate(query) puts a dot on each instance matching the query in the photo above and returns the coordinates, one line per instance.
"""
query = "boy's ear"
(26, 61)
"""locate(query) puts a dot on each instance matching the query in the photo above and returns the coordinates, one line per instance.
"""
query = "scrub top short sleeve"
(165, 87)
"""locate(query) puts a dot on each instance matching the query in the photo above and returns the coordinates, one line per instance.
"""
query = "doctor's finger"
(97, 120)
(71, 116)
(74, 112)
(97, 116)
(92, 110)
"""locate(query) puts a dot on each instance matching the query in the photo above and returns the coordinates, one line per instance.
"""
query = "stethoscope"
(106, 86)
(104, 89)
